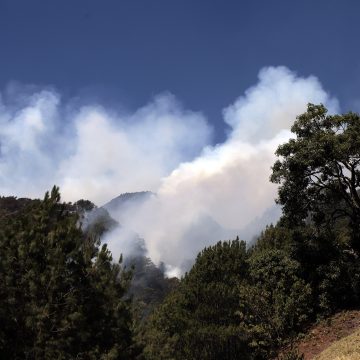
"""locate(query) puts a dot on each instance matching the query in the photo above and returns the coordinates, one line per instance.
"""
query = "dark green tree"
(83, 205)
(199, 319)
(275, 237)
(319, 171)
(275, 302)
(61, 296)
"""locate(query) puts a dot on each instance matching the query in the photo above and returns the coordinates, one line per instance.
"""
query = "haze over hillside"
(204, 230)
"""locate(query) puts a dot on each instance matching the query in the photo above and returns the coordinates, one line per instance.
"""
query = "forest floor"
(325, 333)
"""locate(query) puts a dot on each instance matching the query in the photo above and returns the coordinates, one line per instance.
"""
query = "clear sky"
(205, 52)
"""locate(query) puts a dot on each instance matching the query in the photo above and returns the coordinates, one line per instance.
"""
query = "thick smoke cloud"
(228, 183)
(204, 193)
(90, 152)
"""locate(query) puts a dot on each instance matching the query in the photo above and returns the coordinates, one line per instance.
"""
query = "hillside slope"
(347, 348)
(335, 336)
(126, 200)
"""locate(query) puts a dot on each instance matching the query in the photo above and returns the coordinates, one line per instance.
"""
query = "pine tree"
(198, 320)
(61, 296)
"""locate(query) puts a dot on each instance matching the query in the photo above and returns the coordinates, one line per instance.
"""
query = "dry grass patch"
(347, 348)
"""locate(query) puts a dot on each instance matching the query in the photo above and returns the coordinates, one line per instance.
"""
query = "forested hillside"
(62, 296)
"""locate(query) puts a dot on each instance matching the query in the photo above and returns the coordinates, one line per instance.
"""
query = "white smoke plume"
(228, 182)
(90, 152)
(204, 192)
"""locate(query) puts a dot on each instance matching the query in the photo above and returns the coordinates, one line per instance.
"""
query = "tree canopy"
(233, 304)
(319, 170)
(61, 296)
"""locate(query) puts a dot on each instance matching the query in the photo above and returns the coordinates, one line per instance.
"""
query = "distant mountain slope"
(120, 209)
(121, 202)
(149, 286)
(11, 205)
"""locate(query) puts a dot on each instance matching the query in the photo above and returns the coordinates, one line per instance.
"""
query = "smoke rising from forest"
(204, 192)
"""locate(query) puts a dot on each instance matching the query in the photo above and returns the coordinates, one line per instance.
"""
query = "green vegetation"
(319, 172)
(62, 296)
(231, 304)
(197, 320)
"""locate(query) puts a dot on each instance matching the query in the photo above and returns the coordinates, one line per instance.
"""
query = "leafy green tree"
(231, 305)
(83, 205)
(319, 170)
(275, 302)
(199, 320)
(61, 296)
(275, 237)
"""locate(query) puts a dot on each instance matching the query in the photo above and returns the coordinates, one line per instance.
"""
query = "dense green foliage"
(232, 304)
(198, 320)
(319, 171)
(60, 294)
(319, 183)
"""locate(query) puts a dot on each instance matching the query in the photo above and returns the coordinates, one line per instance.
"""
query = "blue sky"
(205, 52)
